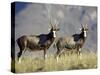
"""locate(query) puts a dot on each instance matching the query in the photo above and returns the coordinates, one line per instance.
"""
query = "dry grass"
(67, 62)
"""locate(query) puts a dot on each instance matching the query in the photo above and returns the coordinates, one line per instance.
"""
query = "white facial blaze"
(54, 33)
(85, 34)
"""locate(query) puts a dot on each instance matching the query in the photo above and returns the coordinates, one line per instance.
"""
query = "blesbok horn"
(50, 26)
(86, 26)
(82, 26)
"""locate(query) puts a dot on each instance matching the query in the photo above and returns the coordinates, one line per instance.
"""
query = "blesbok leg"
(79, 49)
(58, 54)
(80, 53)
(20, 55)
(45, 55)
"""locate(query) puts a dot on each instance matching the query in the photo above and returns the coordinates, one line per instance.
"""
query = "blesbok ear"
(87, 29)
(86, 26)
(50, 27)
(58, 29)
(81, 27)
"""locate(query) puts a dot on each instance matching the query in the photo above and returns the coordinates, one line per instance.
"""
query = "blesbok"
(68, 43)
(37, 42)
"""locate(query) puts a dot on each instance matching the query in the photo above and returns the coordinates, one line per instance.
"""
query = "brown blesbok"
(37, 42)
(68, 43)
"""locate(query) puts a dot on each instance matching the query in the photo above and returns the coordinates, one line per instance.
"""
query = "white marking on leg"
(19, 61)
(80, 54)
(80, 49)
(57, 59)
(46, 56)
(21, 56)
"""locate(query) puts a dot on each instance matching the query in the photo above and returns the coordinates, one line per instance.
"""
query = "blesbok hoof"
(80, 56)
(19, 61)
(57, 59)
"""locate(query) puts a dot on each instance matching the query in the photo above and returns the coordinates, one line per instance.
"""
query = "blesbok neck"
(50, 35)
(82, 36)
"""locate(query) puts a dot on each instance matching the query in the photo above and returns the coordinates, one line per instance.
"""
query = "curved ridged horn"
(82, 26)
(86, 26)
(51, 23)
